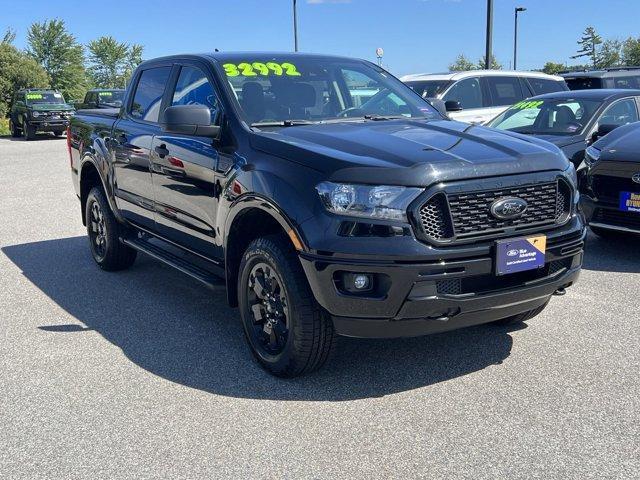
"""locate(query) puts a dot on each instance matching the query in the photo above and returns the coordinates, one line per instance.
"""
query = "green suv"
(38, 110)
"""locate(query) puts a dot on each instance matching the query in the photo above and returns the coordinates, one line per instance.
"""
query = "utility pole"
(515, 35)
(488, 54)
(295, 26)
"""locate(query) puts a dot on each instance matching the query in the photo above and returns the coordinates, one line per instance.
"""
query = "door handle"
(162, 150)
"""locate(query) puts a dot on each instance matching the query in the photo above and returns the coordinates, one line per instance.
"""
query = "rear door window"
(148, 95)
(504, 90)
(545, 85)
(583, 83)
(626, 82)
(468, 92)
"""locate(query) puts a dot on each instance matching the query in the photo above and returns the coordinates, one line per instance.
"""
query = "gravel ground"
(145, 374)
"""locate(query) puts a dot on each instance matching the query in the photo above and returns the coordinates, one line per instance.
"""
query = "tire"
(522, 317)
(58, 133)
(15, 131)
(28, 131)
(301, 337)
(104, 233)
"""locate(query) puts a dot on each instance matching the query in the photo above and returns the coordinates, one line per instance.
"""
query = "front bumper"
(607, 215)
(417, 301)
(49, 125)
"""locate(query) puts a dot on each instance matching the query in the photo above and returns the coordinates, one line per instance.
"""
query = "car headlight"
(380, 201)
(591, 156)
(35, 114)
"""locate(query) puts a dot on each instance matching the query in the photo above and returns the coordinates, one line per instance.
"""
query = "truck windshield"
(283, 89)
(33, 98)
(429, 88)
(111, 97)
(547, 117)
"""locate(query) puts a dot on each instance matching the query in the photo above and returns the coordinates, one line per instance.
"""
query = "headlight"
(591, 156)
(384, 202)
(35, 114)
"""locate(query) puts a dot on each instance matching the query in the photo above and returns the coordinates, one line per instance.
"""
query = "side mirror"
(439, 106)
(603, 130)
(453, 106)
(189, 120)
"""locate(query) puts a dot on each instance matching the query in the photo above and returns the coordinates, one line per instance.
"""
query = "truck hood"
(561, 140)
(409, 152)
(621, 145)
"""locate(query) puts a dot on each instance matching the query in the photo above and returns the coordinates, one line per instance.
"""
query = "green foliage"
(631, 51)
(552, 68)
(609, 54)
(17, 70)
(9, 36)
(461, 64)
(111, 63)
(60, 55)
(4, 127)
(495, 65)
(589, 46)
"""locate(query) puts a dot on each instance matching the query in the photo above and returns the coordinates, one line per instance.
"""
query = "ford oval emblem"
(636, 177)
(508, 207)
(512, 253)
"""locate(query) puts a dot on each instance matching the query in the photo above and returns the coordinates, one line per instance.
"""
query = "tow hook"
(559, 292)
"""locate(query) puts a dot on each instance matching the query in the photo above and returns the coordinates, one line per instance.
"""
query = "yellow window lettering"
(231, 70)
(247, 69)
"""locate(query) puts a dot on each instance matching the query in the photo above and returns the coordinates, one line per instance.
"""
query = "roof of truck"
(452, 76)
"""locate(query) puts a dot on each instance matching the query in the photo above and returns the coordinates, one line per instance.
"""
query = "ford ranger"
(322, 211)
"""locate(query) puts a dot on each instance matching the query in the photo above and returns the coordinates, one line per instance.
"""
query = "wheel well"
(248, 225)
(89, 178)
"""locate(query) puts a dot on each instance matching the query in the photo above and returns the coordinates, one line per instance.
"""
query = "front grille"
(608, 188)
(617, 218)
(463, 216)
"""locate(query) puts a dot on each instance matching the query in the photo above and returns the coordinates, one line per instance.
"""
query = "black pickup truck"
(321, 213)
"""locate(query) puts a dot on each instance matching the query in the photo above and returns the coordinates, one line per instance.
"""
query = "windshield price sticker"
(105, 94)
(630, 202)
(34, 96)
(524, 105)
(263, 69)
(520, 254)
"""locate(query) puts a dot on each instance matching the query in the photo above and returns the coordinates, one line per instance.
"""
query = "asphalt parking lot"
(145, 374)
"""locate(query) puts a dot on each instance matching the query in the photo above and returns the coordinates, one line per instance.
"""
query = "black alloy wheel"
(98, 231)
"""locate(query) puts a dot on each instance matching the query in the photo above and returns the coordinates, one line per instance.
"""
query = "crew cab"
(610, 183)
(37, 110)
(102, 98)
(324, 210)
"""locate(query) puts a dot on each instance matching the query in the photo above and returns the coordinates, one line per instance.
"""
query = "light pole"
(488, 54)
(515, 35)
(295, 27)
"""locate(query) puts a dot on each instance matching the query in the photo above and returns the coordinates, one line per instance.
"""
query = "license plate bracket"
(629, 202)
(520, 254)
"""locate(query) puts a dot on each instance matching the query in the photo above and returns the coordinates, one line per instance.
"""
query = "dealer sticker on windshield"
(520, 254)
(630, 202)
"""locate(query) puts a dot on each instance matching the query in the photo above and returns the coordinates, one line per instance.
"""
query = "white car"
(477, 96)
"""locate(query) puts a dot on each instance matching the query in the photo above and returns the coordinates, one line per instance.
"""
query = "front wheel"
(58, 133)
(104, 234)
(15, 131)
(287, 331)
(28, 131)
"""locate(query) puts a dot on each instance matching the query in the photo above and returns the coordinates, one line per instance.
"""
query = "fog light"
(361, 282)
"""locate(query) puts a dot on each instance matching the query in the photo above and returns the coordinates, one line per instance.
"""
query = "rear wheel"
(28, 131)
(104, 234)
(58, 133)
(287, 331)
(522, 317)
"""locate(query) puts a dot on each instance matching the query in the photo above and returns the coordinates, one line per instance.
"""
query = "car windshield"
(428, 88)
(547, 117)
(111, 97)
(34, 98)
(292, 89)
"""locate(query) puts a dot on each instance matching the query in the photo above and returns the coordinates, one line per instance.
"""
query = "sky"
(416, 35)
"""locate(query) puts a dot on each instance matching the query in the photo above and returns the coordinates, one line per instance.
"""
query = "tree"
(589, 46)
(9, 36)
(60, 55)
(609, 54)
(552, 68)
(461, 63)
(631, 52)
(17, 70)
(495, 65)
(111, 63)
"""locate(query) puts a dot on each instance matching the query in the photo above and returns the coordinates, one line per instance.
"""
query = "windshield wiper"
(284, 123)
(385, 117)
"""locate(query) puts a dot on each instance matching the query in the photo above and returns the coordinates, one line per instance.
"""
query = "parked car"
(610, 183)
(37, 110)
(571, 120)
(614, 77)
(322, 213)
(102, 98)
(477, 96)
